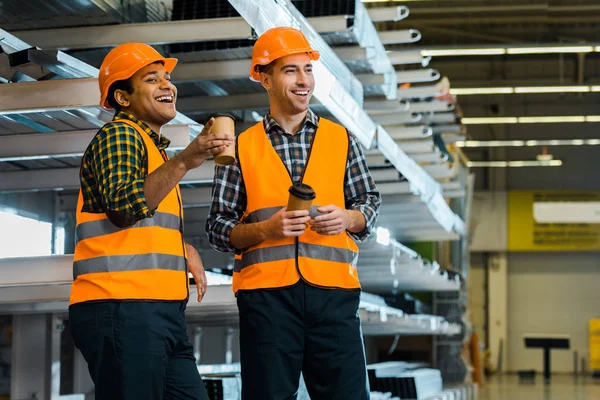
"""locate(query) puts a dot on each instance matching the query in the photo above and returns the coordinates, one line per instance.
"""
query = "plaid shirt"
(229, 193)
(114, 167)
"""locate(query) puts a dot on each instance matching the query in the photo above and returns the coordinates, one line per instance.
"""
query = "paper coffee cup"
(224, 123)
(301, 197)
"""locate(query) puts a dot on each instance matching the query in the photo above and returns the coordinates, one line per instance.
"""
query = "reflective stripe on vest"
(145, 261)
(132, 262)
(323, 260)
(101, 227)
(287, 252)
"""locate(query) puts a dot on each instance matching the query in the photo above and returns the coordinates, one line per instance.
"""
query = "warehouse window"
(23, 237)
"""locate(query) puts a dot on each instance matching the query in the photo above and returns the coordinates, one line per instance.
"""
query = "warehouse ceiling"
(477, 22)
(501, 24)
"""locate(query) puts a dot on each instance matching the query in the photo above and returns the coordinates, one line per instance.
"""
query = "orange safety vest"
(325, 261)
(146, 261)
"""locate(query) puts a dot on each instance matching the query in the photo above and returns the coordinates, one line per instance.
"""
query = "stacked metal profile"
(60, 114)
(449, 350)
(395, 268)
(404, 380)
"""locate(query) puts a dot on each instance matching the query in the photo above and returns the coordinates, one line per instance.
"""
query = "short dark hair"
(125, 85)
(265, 68)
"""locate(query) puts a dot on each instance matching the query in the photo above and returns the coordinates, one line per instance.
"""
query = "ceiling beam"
(211, 70)
(383, 14)
(404, 57)
(52, 95)
(239, 69)
(68, 178)
(74, 143)
(351, 53)
(157, 33)
(60, 95)
(207, 104)
(202, 196)
(399, 36)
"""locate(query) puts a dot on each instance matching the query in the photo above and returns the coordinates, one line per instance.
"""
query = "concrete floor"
(562, 387)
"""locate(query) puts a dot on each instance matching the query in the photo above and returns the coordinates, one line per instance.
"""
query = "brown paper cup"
(301, 197)
(225, 124)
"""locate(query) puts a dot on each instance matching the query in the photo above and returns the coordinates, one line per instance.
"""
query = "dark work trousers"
(137, 350)
(301, 329)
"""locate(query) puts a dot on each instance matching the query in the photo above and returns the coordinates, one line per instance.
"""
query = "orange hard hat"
(123, 62)
(276, 43)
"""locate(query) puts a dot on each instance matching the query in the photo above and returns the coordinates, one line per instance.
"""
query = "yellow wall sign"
(526, 234)
(595, 344)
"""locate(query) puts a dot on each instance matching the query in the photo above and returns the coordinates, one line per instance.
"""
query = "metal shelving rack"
(52, 115)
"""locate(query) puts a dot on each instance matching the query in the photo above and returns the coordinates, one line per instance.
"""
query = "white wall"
(551, 293)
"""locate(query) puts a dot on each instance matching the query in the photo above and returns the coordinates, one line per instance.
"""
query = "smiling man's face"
(153, 97)
(290, 83)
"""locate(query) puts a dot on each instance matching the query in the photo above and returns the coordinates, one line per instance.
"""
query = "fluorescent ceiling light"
(463, 52)
(553, 89)
(514, 164)
(527, 143)
(524, 90)
(490, 51)
(531, 120)
(490, 90)
(490, 120)
(549, 49)
(551, 120)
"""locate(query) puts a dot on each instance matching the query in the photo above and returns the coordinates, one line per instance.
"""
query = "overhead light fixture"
(527, 143)
(531, 120)
(551, 120)
(523, 90)
(514, 164)
(489, 120)
(491, 51)
(463, 52)
(549, 49)
(553, 89)
(482, 90)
